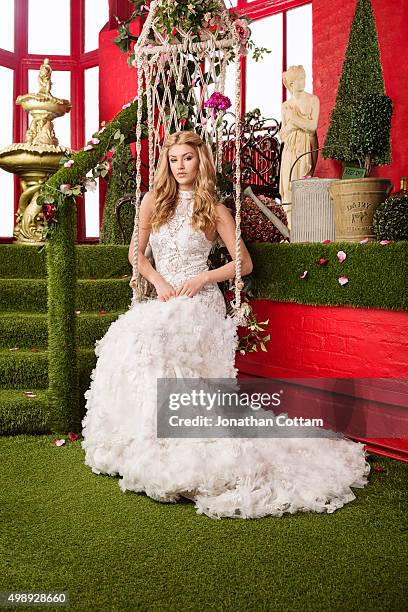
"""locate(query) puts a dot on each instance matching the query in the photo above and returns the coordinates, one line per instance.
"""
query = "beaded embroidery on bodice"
(181, 252)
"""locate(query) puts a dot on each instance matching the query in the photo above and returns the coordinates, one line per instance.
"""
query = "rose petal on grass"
(72, 436)
(341, 256)
(326, 241)
(303, 276)
(343, 280)
(323, 261)
(15, 348)
(59, 442)
(88, 147)
(385, 242)
(69, 163)
(364, 241)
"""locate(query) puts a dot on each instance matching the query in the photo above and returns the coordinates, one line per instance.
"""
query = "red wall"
(330, 341)
(314, 342)
(331, 27)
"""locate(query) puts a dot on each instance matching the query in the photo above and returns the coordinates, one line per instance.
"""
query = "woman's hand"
(192, 286)
(164, 290)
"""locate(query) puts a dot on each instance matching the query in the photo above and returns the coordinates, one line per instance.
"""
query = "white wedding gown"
(192, 337)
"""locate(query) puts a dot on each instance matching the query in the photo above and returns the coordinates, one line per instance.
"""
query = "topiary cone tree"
(360, 122)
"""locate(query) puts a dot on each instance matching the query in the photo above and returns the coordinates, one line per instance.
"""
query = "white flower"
(90, 184)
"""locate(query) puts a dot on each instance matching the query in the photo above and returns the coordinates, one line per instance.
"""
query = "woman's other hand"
(192, 286)
(164, 290)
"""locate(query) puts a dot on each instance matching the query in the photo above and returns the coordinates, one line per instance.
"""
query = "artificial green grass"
(103, 294)
(66, 529)
(21, 414)
(27, 294)
(23, 368)
(378, 275)
(29, 329)
(22, 261)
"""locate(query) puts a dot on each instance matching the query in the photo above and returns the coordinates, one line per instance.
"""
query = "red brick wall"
(331, 26)
(330, 341)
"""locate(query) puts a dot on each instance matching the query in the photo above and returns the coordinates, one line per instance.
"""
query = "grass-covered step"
(91, 326)
(102, 261)
(23, 369)
(23, 413)
(103, 294)
(23, 330)
(29, 294)
(29, 329)
(22, 261)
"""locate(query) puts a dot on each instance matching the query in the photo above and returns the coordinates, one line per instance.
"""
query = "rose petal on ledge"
(343, 280)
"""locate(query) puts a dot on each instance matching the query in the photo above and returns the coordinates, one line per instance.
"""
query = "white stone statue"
(300, 116)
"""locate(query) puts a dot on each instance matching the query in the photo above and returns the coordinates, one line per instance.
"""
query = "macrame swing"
(167, 66)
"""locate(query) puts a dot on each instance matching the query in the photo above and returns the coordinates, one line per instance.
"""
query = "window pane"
(92, 212)
(264, 78)
(91, 126)
(6, 138)
(96, 16)
(49, 27)
(299, 41)
(61, 88)
(7, 25)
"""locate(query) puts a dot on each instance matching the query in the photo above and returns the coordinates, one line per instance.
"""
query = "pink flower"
(94, 141)
(218, 101)
(343, 280)
(88, 147)
(341, 256)
(303, 276)
(48, 211)
(69, 163)
(29, 394)
(364, 241)
(243, 31)
(59, 442)
(65, 188)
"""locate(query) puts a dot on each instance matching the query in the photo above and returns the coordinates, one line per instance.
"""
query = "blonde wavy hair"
(166, 187)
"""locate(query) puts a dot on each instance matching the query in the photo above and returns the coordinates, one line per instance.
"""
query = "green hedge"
(377, 274)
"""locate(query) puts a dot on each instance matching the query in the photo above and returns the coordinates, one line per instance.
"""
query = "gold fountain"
(38, 157)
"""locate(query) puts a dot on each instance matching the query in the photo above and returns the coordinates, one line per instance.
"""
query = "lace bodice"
(181, 252)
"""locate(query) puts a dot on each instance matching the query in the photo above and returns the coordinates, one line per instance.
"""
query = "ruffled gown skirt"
(225, 477)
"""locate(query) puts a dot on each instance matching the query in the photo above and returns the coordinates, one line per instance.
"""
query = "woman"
(185, 333)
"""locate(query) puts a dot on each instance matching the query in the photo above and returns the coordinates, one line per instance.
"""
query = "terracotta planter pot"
(354, 202)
